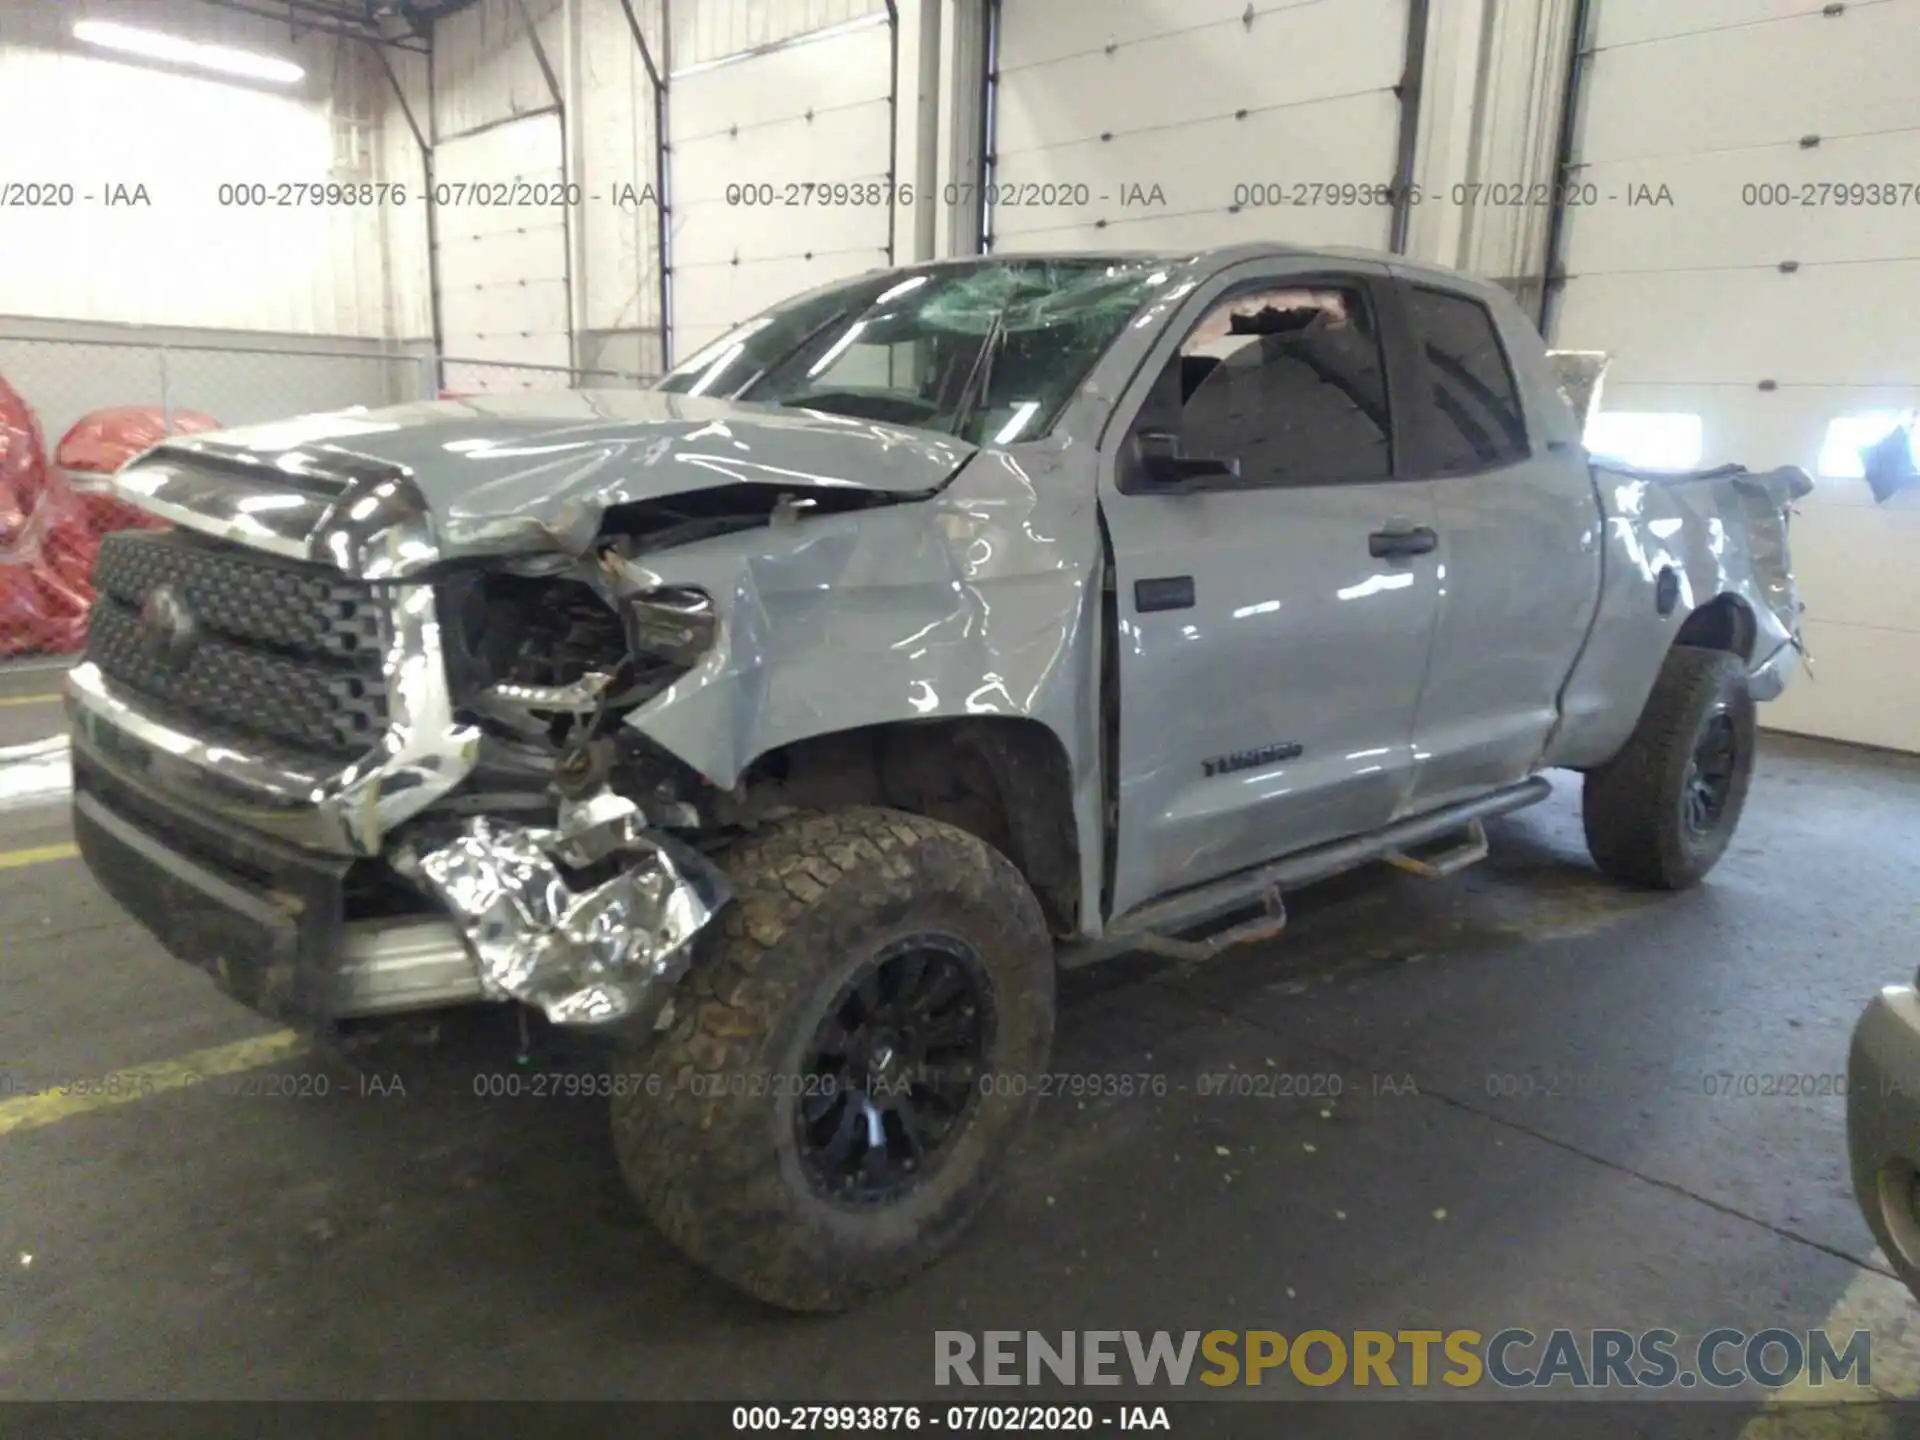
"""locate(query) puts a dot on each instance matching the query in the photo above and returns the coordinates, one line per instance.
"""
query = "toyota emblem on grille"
(168, 631)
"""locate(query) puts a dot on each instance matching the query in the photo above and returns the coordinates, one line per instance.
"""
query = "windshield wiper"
(981, 377)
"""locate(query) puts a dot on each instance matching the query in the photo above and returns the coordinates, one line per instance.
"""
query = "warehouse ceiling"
(394, 22)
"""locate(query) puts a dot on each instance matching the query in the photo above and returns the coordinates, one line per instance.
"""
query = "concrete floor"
(29, 702)
(217, 1244)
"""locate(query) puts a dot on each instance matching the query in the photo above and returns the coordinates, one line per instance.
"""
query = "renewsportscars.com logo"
(1508, 1359)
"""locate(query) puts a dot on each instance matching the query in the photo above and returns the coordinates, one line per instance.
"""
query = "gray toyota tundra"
(790, 723)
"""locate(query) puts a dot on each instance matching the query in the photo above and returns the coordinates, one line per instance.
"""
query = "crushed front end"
(351, 777)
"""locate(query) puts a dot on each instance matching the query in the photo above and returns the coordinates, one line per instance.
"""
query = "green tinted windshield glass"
(987, 351)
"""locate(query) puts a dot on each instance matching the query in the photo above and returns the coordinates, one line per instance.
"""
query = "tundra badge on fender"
(1248, 759)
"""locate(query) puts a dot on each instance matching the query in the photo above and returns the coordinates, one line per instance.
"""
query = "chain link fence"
(73, 411)
(495, 377)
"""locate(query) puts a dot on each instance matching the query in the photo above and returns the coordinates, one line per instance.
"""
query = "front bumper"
(270, 920)
(1883, 1125)
(265, 919)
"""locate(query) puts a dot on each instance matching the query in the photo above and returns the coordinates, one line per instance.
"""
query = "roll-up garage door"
(1141, 124)
(502, 239)
(780, 164)
(1745, 240)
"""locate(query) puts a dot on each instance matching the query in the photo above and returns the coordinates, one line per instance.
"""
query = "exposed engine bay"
(588, 909)
(552, 652)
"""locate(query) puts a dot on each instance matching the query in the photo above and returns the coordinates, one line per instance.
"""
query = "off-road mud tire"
(703, 1124)
(1634, 807)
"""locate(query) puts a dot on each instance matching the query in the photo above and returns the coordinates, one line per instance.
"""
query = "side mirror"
(1166, 465)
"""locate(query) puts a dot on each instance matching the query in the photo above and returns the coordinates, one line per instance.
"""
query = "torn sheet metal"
(513, 474)
(608, 954)
(1719, 534)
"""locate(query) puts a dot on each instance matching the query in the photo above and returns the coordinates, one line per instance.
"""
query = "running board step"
(1271, 920)
(1470, 851)
(1154, 927)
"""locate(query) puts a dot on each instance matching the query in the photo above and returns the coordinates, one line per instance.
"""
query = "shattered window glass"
(989, 351)
(1291, 384)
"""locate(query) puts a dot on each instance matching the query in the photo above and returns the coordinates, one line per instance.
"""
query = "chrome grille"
(290, 653)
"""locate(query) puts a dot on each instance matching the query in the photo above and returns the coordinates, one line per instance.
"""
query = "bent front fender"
(981, 602)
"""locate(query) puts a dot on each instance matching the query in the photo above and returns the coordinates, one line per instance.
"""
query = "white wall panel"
(1117, 206)
(1628, 22)
(1743, 424)
(712, 29)
(1710, 225)
(611, 119)
(1824, 325)
(403, 229)
(503, 267)
(1493, 79)
(484, 68)
(1771, 82)
(1113, 100)
(1709, 99)
(810, 114)
(1862, 688)
(72, 115)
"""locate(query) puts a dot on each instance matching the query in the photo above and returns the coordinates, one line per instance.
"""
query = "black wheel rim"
(1710, 774)
(891, 1073)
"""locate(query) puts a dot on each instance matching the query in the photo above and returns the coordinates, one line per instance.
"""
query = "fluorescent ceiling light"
(154, 46)
(1646, 440)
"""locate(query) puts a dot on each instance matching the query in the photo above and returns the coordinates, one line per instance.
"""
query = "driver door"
(1274, 625)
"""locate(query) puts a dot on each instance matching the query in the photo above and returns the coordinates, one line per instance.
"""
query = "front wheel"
(1662, 811)
(847, 1064)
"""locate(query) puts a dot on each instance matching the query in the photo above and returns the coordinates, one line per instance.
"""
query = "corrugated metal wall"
(617, 265)
(487, 72)
(1097, 144)
(484, 68)
(403, 233)
(1490, 93)
(706, 30)
(749, 139)
(71, 115)
(1489, 123)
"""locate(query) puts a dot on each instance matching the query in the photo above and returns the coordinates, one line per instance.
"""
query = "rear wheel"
(827, 1117)
(1662, 811)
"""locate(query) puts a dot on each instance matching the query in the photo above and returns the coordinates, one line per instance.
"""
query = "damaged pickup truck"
(792, 722)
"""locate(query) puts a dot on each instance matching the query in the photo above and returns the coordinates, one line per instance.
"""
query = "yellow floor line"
(1801, 1411)
(64, 1100)
(11, 702)
(37, 855)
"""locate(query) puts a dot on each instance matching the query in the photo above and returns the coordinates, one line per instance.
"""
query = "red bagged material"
(61, 511)
(44, 570)
(104, 440)
(100, 442)
(23, 462)
(27, 624)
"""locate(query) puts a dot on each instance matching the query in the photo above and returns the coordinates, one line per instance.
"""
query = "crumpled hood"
(539, 470)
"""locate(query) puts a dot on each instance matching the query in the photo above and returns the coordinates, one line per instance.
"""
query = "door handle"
(1397, 540)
